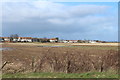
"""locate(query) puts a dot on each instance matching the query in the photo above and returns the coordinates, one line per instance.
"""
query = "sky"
(66, 20)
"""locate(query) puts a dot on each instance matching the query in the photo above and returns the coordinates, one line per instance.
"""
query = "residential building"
(53, 40)
(72, 41)
(6, 39)
(24, 39)
(63, 41)
(1, 39)
(36, 39)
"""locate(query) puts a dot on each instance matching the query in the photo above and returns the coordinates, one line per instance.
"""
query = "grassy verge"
(62, 75)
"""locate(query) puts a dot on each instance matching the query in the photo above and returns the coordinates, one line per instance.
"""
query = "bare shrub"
(67, 60)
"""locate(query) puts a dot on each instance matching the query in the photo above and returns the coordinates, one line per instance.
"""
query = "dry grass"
(31, 58)
(62, 44)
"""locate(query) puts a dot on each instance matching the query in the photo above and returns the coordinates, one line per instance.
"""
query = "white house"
(53, 40)
(15, 40)
(92, 41)
(24, 39)
(6, 39)
(73, 41)
(63, 41)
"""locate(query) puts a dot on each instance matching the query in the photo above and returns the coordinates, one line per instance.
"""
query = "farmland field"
(60, 58)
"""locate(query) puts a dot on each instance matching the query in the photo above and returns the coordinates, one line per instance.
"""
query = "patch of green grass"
(62, 75)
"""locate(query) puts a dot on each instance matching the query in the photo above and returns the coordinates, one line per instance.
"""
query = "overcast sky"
(66, 20)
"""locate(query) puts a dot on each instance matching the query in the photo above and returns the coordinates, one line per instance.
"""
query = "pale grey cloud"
(19, 11)
(57, 19)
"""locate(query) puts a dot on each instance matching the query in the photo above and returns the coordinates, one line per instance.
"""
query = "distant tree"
(13, 36)
(57, 39)
(97, 40)
(44, 40)
(79, 41)
(103, 41)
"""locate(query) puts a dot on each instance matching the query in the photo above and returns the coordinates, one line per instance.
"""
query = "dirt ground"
(25, 56)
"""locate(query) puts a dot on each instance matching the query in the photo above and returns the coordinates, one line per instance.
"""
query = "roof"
(73, 40)
(25, 37)
(5, 37)
(53, 39)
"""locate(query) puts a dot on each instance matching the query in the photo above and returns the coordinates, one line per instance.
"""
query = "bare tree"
(13, 36)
